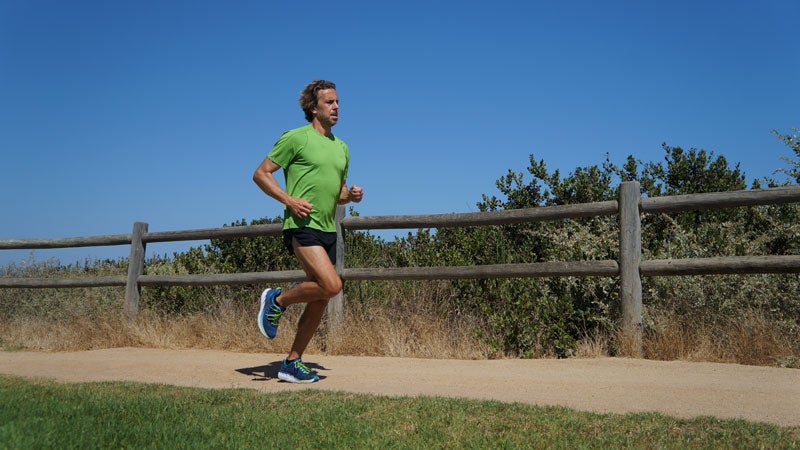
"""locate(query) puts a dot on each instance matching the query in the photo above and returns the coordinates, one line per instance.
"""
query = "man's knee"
(331, 287)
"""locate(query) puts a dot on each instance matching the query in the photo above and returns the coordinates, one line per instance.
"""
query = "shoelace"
(274, 314)
(302, 367)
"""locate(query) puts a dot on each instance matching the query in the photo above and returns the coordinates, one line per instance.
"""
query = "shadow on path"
(270, 371)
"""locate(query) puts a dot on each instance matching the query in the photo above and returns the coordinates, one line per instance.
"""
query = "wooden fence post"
(135, 269)
(630, 255)
(335, 309)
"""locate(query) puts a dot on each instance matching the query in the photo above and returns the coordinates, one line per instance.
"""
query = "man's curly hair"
(309, 97)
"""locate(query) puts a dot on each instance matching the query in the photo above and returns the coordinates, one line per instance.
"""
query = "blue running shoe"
(296, 372)
(270, 313)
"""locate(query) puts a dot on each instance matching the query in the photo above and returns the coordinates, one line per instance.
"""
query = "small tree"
(793, 141)
(537, 316)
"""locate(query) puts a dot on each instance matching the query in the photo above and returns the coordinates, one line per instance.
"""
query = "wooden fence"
(630, 268)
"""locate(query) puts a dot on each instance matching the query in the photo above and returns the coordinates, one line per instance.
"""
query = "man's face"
(327, 109)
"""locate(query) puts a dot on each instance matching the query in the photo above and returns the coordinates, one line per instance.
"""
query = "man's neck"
(321, 129)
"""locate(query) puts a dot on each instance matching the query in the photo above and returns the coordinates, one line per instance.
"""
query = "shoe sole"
(262, 312)
(292, 379)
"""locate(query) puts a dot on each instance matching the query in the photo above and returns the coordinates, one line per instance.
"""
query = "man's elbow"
(258, 177)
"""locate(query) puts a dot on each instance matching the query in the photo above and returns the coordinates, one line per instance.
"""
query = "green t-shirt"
(314, 167)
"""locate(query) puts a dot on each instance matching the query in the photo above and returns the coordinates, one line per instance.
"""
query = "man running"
(315, 164)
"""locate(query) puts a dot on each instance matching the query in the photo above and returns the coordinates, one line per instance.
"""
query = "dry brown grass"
(392, 333)
(382, 333)
(389, 330)
(593, 346)
(749, 338)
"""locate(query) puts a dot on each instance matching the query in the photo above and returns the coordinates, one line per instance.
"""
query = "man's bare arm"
(354, 194)
(265, 179)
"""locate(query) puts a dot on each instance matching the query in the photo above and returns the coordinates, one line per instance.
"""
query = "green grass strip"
(38, 414)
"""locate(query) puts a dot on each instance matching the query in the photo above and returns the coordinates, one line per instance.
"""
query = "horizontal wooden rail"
(525, 270)
(74, 282)
(717, 200)
(654, 267)
(505, 217)
(721, 265)
(87, 241)
(530, 270)
(282, 276)
(159, 236)
(214, 233)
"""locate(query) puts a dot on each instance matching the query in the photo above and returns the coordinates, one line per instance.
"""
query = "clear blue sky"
(159, 111)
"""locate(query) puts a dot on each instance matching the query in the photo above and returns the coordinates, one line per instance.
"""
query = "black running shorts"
(309, 237)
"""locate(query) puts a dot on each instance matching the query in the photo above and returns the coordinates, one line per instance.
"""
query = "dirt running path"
(680, 389)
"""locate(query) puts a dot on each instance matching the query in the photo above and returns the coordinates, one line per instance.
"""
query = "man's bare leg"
(306, 327)
(325, 283)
